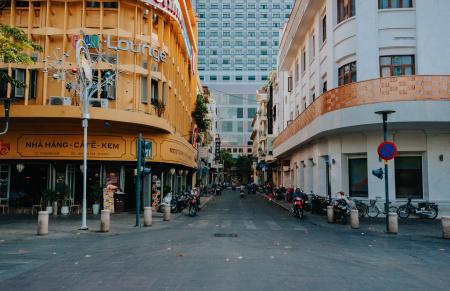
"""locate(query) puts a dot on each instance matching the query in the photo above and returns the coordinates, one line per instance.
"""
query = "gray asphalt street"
(233, 244)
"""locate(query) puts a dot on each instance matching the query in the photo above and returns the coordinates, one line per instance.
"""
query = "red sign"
(387, 150)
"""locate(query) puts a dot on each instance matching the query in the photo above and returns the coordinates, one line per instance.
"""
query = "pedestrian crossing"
(248, 224)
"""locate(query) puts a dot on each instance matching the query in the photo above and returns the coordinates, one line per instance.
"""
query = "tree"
(13, 46)
(244, 163)
(227, 159)
(200, 114)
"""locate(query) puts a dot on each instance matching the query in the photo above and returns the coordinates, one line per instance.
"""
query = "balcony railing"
(407, 88)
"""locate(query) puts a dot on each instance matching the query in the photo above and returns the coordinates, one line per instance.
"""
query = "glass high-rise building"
(238, 47)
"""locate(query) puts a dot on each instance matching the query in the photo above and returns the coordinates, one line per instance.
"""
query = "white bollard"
(354, 218)
(393, 222)
(166, 216)
(330, 214)
(42, 228)
(55, 208)
(445, 227)
(148, 216)
(105, 220)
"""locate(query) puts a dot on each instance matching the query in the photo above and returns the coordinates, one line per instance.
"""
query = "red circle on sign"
(387, 150)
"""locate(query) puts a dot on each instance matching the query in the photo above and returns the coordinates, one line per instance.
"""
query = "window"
(324, 87)
(227, 126)
(297, 72)
(347, 74)
(3, 83)
(264, 78)
(32, 84)
(324, 28)
(396, 66)
(154, 92)
(313, 47)
(213, 78)
(303, 60)
(290, 84)
(225, 78)
(346, 9)
(239, 78)
(252, 78)
(387, 4)
(357, 176)
(251, 112)
(164, 94)
(240, 112)
(19, 75)
(408, 177)
(144, 89)
(108, 89)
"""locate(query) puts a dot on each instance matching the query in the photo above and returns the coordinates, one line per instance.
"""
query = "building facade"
(151, 49)
(238, 45)
(340, 61)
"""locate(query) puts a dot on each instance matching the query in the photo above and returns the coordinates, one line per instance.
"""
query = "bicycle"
(374, 211)
(362, 208)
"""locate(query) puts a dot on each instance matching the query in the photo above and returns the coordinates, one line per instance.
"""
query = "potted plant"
(49, 197)
(64, 197)
(97, 194)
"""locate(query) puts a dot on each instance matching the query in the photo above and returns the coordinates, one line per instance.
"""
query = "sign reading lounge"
(128, 45)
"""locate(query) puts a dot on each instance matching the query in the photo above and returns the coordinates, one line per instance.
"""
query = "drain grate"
(225, 235)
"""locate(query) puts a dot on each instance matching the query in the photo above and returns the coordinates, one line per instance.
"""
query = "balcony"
(349, 103)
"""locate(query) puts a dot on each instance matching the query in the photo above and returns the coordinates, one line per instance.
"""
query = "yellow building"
(151, 45)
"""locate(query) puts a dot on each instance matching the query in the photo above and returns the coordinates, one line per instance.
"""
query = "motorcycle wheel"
(192, 211)
(300, 213)
(292, 211)
(373, 211)
(433, 213)
(403, 212)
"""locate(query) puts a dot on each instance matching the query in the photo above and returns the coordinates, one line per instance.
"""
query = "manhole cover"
(225, 235)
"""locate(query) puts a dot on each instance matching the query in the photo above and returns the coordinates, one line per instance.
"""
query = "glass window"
(347, 74)
(408, 177)
(19, 75)
(239, 78)
(240, 112)
(251, 112)
(144, 89)
(154, 91)
(346, 9)
(396, 66)
(387, 4)
(227, 126)
(324, 28)
(357, 172)
(225, 78)
(213, 78)
(252, 78)
(240, 127)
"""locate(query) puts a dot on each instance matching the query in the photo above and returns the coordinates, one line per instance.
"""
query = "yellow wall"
(52, 25)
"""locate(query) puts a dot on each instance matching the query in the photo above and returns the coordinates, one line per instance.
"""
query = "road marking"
(249, 224)
(273, 225)
(225, 224)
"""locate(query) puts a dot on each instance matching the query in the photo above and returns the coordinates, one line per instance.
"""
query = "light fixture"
(441, 158)
(20, 167)
(186, 172)
(180, 172)
(172, 171)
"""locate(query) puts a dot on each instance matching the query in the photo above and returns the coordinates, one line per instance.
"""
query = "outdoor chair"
(37, 207)
(73, 206)
(4, 206)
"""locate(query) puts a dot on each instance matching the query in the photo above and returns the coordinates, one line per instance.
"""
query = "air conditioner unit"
(102, 103)
(60, 100)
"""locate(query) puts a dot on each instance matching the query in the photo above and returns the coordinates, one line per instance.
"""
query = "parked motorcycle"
(297, 207)
(341, 210)
(426, 210)
(319, 204)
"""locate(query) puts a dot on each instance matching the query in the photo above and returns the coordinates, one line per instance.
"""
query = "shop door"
(5, 174)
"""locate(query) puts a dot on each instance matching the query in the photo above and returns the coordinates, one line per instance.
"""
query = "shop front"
(33, 162)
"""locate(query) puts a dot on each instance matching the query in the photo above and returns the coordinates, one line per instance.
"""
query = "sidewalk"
(413, 227)
(23, 227)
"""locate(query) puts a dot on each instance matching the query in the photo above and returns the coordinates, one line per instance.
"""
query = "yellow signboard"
(70, 145)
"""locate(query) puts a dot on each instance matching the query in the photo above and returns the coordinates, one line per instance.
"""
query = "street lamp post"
(384, 114)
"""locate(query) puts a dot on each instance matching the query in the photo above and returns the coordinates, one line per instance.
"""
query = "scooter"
(341, 210)
(424, 209)
(297, 207)
(193, 205)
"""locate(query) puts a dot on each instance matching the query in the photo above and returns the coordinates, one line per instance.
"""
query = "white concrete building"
(342, 60)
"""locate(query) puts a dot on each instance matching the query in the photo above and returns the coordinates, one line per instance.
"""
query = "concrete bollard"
(166, 216)
(148, 216)
(445, 227)
(330, 214)
(55, 208)
(393, 222)
(42, 228)
(354, 218)
(105, 220)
